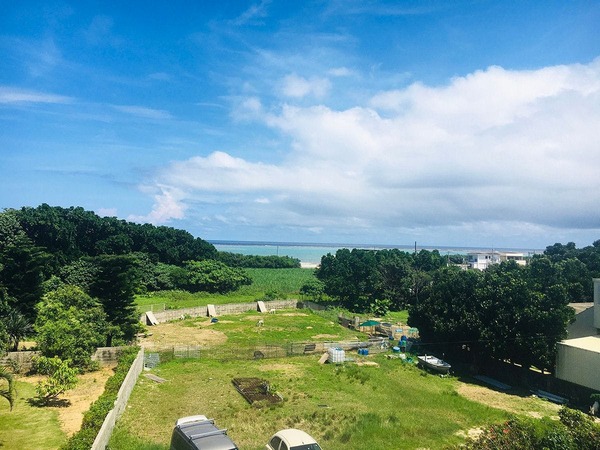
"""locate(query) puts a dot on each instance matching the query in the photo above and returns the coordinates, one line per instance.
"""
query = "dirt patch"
(173, 334)
(288, 369)
(325, 336)
(517, 404)
(89, 387)
(367, 363)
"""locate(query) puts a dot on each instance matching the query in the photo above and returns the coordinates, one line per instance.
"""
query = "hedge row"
(94, 417)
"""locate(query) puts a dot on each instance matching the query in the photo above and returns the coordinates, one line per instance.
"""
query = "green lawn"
(286, 283)
(359, 407)
(393, 405)
(42, 430)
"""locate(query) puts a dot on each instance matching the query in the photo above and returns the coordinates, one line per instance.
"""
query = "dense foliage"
(575, 431)
(507, 312)
(70, 325)
(362, 278)
(61, 377)
(47, 248)
(258, 261)
(578, 267)
(70, 233)
(500, 313)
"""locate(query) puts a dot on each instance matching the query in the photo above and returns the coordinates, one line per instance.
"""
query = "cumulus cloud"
(514, 150)
(167, 205)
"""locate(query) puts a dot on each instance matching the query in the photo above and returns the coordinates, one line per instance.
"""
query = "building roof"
(589, 343)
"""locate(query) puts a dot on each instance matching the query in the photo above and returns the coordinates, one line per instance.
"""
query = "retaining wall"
(105, 356)
(20, 360)
(101, 441)
(228, 308)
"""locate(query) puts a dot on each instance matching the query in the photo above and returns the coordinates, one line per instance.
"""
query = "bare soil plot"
(174, 333)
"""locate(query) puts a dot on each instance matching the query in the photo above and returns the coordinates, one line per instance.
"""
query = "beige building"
(578, 358)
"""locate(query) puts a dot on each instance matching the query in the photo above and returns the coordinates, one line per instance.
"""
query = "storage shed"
(578, 361)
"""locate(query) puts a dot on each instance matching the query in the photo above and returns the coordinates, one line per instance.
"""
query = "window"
(274, 442)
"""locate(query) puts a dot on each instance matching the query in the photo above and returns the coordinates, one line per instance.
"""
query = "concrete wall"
(597, 303)
(106, 356)
(578, 365)
(20, 360)
(229, 308)
(101, 441)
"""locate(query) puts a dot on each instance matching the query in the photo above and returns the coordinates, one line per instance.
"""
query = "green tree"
(22, 273)
(214, 276)
(61, 378)
(115, 285)
(70, 325)
(17, 327)
(8, 392)
(80, 272)
(499, 314)
(313, 288)
(351, 276)
(448, 318)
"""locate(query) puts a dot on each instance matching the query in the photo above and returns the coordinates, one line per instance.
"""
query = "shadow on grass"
(49, 402)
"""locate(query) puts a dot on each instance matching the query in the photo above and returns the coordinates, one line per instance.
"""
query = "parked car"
(292, 439)
(200, 433)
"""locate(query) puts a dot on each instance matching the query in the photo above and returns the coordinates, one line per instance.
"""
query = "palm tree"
(17, 326)
(8, 393)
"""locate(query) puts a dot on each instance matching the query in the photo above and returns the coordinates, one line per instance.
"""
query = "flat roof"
(590, 343)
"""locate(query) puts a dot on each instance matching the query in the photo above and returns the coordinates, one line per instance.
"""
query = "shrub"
(61, 378)
(94, 417)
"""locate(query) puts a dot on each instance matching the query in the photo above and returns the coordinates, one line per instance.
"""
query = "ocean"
(310, 254)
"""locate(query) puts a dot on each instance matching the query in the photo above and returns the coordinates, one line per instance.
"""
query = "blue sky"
(467, 123)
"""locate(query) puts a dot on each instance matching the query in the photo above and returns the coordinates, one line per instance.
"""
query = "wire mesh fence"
(282, 350)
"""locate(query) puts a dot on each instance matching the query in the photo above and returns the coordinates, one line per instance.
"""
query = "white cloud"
(107, 212)
(167, 205)
(254, 12)
(497, 151)
(16, 95)
(340, 72)
(143, 112)
(298, 87)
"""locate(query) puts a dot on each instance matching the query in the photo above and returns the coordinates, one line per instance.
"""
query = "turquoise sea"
(311, 253)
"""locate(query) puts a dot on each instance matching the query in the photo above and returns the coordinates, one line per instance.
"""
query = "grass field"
(285, 283)
(27, 426)
(357, 407)
(388, 405)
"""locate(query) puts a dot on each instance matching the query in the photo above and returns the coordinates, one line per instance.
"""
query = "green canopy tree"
(447, 318)
(213, 276)
(70, 325)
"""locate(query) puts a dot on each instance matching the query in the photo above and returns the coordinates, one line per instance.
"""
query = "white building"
(482, 260)
(578, 358)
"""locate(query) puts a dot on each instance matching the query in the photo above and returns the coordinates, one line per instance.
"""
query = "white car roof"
(294, 437)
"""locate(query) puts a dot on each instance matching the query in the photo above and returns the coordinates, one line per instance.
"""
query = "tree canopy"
(70, 325)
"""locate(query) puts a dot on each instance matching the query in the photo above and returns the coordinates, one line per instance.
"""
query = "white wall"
(597, 303)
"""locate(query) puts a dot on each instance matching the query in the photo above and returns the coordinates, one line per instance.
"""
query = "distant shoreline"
(310, 254)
